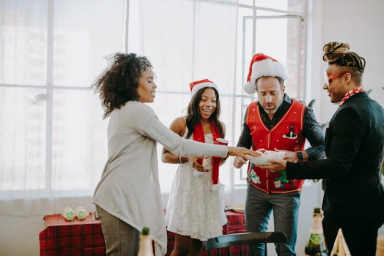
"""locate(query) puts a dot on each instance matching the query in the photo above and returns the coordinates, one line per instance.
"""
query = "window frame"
(48, 98)
(50, 87)
(300, 67)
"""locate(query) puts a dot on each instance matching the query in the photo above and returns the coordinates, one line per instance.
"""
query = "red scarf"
(350, 93)
(198, 135)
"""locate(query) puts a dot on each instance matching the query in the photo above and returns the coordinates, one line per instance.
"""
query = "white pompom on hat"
(197, 85)
(263, 65)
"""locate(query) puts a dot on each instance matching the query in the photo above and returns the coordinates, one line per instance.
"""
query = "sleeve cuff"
(312, 153)
(289, 170)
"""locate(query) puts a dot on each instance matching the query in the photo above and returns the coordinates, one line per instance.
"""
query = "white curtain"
(52, 136)
(53, 139)
(187, 41)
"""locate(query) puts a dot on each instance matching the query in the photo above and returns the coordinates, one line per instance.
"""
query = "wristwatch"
(300, 155)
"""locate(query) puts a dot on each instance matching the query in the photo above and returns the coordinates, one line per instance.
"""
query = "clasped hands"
(196, 165)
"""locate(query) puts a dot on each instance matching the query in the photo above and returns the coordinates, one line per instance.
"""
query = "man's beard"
(271, 111)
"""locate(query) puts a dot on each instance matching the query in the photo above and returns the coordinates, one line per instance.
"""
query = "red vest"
(285, 135)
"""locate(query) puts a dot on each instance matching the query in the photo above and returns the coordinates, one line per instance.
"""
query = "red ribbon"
(198, 135)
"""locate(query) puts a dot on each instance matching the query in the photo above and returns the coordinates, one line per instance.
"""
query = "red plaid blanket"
(77, 237)
(85, 237)
(235, 224)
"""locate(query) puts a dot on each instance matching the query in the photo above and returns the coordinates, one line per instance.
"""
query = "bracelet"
(225, 158)
(179, 159)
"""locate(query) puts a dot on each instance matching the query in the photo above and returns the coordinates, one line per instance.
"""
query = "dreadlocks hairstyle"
(339, 54)
(119, 82)
(193, 116)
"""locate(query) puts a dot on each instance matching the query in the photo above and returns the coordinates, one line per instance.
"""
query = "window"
(204, 44)
(52, 133)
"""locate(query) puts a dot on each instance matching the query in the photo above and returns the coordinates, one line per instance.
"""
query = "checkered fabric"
(235, 224)
(72, 238)
(85, 237)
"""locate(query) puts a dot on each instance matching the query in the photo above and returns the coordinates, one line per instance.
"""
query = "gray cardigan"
(129, 187)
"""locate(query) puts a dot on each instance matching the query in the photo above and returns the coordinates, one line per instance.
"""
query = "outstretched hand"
(242, 152)
(290, 156)
(239, 161)
(276, 166)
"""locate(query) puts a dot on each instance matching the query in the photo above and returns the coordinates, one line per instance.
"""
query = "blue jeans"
(285, 208)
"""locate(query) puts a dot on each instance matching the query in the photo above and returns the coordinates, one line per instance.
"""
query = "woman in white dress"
(195, 209)
(128, 196)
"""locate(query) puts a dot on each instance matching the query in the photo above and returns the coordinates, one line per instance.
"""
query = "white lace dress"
(193, 208)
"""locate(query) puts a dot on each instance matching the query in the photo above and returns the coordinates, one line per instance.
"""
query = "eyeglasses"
(329, 78)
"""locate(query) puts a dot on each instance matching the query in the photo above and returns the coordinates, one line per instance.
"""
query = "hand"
(261, 150)
(238, 162)
(196, 165)
(290, 156)
(242, 152)
(276, 166)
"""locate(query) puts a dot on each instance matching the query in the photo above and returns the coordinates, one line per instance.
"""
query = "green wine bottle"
(145, 246)
(316, 245)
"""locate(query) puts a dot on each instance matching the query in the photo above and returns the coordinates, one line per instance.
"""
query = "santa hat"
(263, 65)
(195, 86)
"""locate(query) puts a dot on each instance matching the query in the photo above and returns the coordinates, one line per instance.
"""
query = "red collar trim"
(351, 93)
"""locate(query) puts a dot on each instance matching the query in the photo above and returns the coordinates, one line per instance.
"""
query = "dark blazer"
(354, 145)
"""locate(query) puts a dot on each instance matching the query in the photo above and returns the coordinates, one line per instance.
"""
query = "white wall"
(19, 236)
(358, 23)
(354, 21)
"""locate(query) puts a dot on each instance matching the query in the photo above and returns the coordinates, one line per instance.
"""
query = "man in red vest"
(275, 121)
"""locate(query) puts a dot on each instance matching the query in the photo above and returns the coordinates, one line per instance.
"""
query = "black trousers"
(361, 237)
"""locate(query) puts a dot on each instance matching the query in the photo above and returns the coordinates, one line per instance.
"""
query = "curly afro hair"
(119, 82)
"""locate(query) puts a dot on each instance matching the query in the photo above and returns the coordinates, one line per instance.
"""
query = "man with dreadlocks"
(354, 145)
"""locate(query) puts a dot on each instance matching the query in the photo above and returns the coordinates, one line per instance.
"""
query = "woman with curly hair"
(195, 209)
(128, 196)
